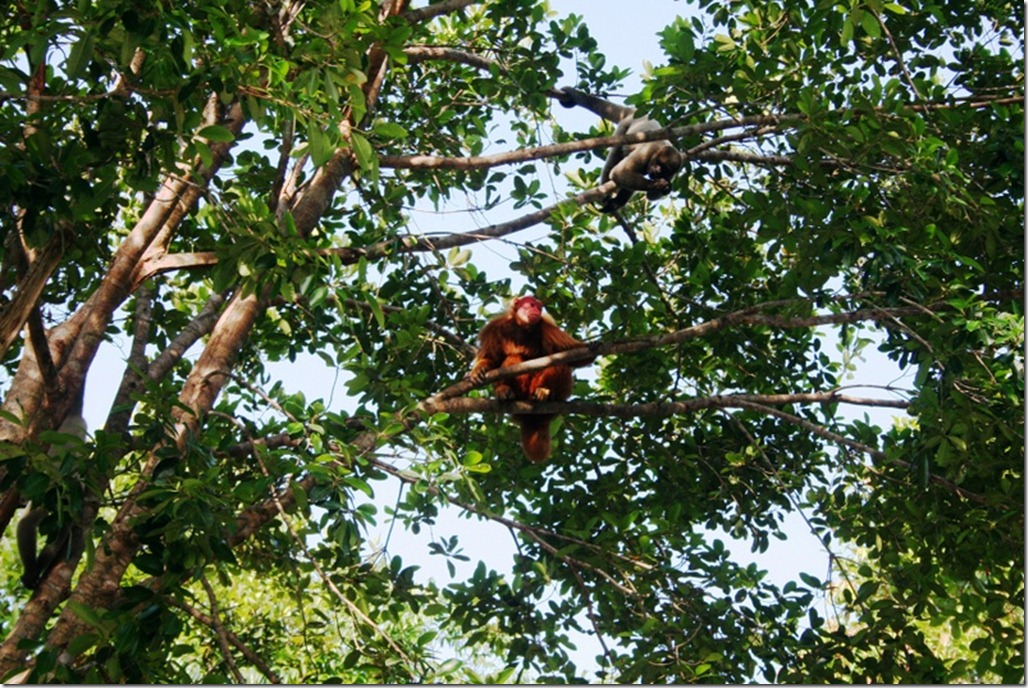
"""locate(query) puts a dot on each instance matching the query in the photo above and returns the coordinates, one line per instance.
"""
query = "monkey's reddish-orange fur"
(524, 333)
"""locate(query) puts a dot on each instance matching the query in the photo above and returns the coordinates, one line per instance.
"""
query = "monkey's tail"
(535, 436)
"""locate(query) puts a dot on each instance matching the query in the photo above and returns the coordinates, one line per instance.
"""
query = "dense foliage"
(221, 187)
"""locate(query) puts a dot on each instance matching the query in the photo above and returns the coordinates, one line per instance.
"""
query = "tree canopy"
(354, 188)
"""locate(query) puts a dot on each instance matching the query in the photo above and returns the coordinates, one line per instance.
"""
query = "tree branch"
(657, 409)
(433, 162)
(746, 316)
(219, 631)
(423, 53)
(408, 244)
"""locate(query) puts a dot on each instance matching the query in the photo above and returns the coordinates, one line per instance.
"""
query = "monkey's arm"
(67, 544)
(631, 173)
(556, 340)
(612, 112)
(26, 531)
(490, 350)
(616, 154)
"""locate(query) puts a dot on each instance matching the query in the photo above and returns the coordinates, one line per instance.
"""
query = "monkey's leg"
(26, 531)
(54, 551)
(553, 383)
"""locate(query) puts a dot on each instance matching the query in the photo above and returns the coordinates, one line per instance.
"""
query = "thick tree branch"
(409, 244)
(203, 385)
(198, 327)
(76, 341)
(423, 53)
(657, 409)
(432, 162)
(29, 289)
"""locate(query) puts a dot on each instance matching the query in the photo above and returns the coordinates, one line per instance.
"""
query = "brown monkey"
(649, 166)
(522, 333)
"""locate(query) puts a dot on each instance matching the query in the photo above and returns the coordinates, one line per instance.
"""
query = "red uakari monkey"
(522, 333)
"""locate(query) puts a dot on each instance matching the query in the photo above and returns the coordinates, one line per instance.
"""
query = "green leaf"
(869, 22)
(363, 151)
(390, 130)
(319, 144)
(217, 134)
(376, 309)
(79, 56)
(810, 580)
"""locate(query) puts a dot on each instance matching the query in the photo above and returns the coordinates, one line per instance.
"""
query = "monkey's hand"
(504, 392)
(477, 373)
(658, 189)
(613, 202)
(541, 393)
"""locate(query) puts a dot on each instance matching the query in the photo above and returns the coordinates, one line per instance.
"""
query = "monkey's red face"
(528, 310)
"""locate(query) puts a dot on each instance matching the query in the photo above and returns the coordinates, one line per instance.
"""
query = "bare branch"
(409, 244)
(423, 53)
(197, 328)
(432, 162)
(219, 631)
(121, 406)
(657, 409)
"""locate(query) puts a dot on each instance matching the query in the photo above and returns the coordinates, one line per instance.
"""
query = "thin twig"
(232, 638)
(219, 631)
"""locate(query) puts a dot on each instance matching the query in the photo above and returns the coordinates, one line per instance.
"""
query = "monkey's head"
(527, 310)
(565, 96)
(665, 163)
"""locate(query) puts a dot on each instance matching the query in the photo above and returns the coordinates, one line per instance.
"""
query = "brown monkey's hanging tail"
(535, 436)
